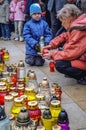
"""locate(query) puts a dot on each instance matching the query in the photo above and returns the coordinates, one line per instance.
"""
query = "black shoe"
(82, 81)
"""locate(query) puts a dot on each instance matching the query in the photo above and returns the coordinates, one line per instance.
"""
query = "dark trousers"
(55, 23)
(34, 60)
(64, 66)
(5, 30)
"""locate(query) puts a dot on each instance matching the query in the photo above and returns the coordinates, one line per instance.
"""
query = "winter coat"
(4, 12)
(75, 43)
(18, 9)
(32, 32)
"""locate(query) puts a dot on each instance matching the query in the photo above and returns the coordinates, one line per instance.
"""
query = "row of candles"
(42, 101)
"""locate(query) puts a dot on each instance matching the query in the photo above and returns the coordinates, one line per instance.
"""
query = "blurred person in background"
(17, 8)
(82, 5)
(4, 20)
(53, 7)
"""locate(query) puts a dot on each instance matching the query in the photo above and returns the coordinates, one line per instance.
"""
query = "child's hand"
(37, 47)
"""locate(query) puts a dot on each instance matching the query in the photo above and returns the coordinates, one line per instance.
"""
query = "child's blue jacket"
(32, 32)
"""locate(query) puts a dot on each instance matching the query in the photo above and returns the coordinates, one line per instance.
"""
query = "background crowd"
(14, 14)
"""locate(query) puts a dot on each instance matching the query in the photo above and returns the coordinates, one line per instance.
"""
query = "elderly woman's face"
(66, 22)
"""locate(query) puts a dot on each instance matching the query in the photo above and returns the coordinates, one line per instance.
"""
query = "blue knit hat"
(35, 8)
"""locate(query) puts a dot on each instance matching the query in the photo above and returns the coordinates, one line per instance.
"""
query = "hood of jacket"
(79, 23)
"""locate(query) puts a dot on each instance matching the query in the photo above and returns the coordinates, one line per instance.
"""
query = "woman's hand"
(47, 56)
(48, 47)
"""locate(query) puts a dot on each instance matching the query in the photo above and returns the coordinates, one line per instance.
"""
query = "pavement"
(73, 94)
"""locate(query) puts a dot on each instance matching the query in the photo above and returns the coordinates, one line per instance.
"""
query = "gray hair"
(68, 10)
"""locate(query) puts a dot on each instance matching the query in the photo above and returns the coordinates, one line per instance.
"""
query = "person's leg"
(3, 31)
(11, 26)
(55, 23)
(65, 67)
(29, 59)
(16, 31)
(7, 30)
(20, 30)
(62, 65)
(39, 61)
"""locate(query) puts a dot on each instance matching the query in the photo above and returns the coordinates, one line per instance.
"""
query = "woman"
(68, 61)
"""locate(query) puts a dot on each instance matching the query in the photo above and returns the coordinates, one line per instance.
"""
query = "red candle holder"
(52, 65)
(2, 53)
(1, 100)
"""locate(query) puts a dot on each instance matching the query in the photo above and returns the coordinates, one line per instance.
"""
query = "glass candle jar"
(41, 43)
(5, 74)
(10, 69)
(56, 127)
(41, 102)
(20, 90)
(11, 86)
(31, 94)
(40, 128)
(12, 120)
(33, 81)
(21, 70)
(6, 55)
(57, 89)
(2, 101)
(25, 99)
(14, 94)
(1, 53)
(63, 120)
(1, 75)
(1, 64)
(23, 121)
(21, 82)
(45, 83)
(8, 104)
(18, 104)
(33, 111)
(44, 88)
(14, 78)
(47, 120)
(64, 126)
(3, 89)
(51, 66)
(55, 108)
(13, 89)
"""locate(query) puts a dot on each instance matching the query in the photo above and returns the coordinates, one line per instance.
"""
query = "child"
(33, 30)
(17, 7)
(4, 20)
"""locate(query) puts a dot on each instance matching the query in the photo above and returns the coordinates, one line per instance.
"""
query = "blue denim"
(5, 30)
